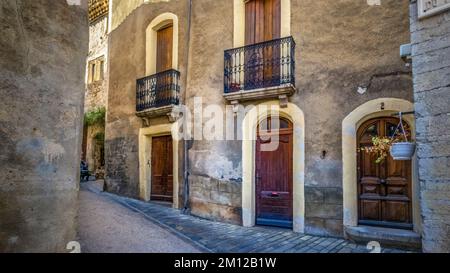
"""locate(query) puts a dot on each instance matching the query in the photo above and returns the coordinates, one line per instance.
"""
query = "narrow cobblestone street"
(136, 226)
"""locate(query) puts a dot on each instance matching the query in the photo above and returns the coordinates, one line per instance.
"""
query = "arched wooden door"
(384, 189)
(274, 171)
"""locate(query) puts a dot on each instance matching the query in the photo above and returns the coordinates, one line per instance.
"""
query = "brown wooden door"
(274, 171)
(384, 189)
(262, 24)
(162, 172)
(164, 49)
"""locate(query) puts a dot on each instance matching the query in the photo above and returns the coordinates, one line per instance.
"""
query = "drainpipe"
(187, 143)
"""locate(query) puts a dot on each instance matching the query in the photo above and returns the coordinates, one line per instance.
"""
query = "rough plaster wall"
(42, 59)
(121, 9)
(212, 163)
(122, 125)
(431, 66)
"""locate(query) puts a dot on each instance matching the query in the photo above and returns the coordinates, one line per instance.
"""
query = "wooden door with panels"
(274, 174)
(384, 189)
(262, 24)
(162, 169)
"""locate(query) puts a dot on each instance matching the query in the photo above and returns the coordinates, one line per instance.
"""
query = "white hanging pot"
(403, 150)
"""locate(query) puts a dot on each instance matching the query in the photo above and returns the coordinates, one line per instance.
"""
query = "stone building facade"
(42, 59)
(343, 72)
(96, 83)
(430, 37)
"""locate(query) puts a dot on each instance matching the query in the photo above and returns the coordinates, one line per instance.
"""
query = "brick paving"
(219, 237)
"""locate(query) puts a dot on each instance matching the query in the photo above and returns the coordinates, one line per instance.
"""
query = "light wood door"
(384, 189)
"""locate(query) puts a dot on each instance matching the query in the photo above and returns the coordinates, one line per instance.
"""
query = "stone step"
(387, 237)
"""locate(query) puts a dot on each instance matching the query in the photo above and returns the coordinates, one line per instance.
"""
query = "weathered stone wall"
(215, 162)
(430, 39)
(96, 92)
(42, 67)
(127, 64)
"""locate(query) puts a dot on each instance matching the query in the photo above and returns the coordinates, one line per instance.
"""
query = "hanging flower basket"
(403, 150)
(397, 145)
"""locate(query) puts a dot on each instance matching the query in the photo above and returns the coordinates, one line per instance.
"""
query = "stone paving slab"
(220, 237)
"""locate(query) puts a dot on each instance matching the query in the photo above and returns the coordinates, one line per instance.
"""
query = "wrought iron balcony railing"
(262, 65)
(161, 89)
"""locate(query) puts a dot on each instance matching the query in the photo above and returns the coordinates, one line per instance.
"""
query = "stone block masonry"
(430, 39)
(216, 199)
(43, 49)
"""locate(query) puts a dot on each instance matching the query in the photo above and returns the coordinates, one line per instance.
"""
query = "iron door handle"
(382, 181)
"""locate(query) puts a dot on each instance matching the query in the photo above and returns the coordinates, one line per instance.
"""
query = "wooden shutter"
(164, 49)
(262, 20)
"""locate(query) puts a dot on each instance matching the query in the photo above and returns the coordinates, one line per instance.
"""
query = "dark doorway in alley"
(274, 174)
(384, 188)
(162, 169)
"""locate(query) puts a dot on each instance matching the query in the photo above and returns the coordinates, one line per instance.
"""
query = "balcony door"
(164, 81)
(262, 24)
(164, 47)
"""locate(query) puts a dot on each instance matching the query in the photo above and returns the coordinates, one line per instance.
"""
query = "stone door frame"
(249, 129)
(372, 109)
(145, 156)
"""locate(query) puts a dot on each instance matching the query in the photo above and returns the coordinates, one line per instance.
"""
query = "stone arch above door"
(249, 129)
(371, 109)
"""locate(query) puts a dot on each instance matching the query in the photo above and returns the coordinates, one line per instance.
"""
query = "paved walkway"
(225, 238)
(104, 226)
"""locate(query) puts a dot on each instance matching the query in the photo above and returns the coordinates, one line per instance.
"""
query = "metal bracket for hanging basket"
(402, 150)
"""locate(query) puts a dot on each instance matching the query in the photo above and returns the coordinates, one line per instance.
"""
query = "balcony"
(158, 94)
(260, 71)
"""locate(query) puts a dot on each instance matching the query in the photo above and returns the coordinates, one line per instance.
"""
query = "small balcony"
(158, 94)
(260, 71)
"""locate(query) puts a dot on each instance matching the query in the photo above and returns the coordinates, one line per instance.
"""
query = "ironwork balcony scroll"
(158, 90)
(261, 65)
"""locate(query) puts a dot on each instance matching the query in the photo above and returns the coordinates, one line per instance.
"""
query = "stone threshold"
(401, 238)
